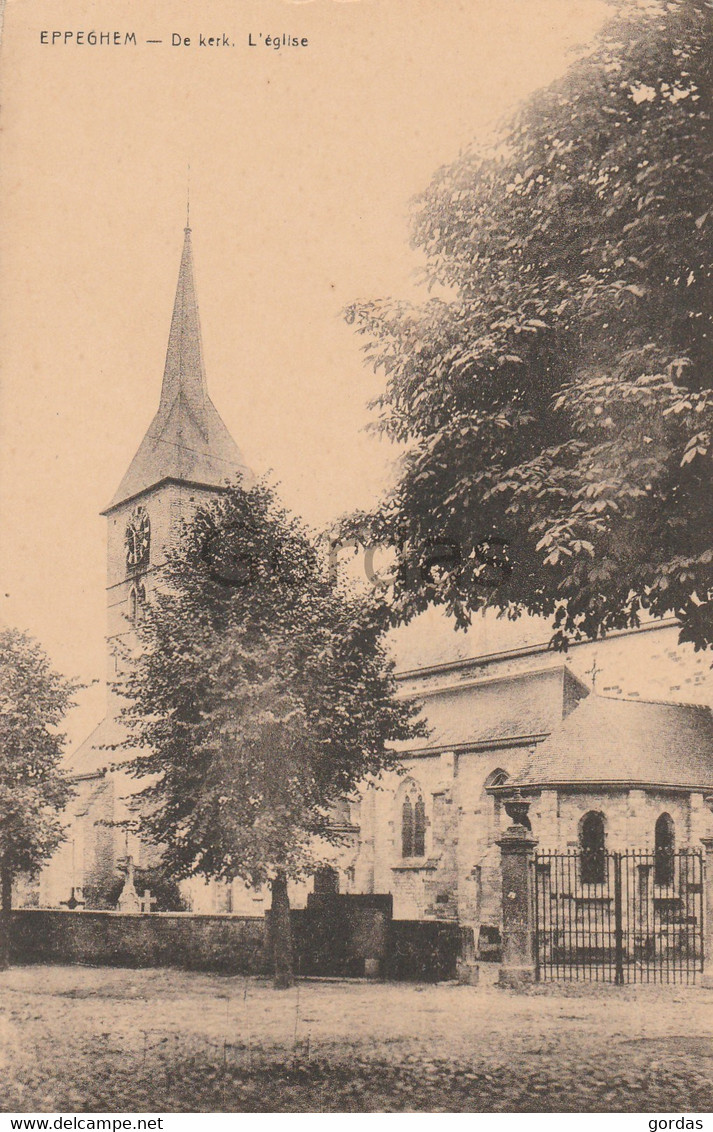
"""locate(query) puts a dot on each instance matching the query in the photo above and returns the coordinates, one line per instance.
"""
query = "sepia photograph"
(356, 507)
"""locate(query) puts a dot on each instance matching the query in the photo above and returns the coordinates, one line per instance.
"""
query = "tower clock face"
(137, 539)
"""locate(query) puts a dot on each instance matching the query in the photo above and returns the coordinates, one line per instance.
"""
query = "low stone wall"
(346, 936)
(427, 950)
(342, 936)
(235, 944)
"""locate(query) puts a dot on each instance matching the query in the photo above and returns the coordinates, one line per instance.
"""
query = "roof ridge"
(657, 703)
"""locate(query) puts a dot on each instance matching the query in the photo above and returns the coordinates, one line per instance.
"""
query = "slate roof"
(187, 440)
(94, 754)
(617, 741)
(519, 706)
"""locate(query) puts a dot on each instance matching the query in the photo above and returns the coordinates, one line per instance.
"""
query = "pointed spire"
(184, 373)
(187, 441)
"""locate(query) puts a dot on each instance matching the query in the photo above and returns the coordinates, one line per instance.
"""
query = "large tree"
(259, 698)
(33, 788)
(554, 392)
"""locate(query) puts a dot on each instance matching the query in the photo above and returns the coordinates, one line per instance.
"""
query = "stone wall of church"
(168, 506)
(459, 874)
(647, 664)
(240, 898)
(87, 857)
(481, 821)
(629, 815)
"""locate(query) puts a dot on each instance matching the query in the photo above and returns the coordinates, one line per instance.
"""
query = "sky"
(303, 161)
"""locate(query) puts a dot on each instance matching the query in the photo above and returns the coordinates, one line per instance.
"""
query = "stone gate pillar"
(517, 847)
(707, 977)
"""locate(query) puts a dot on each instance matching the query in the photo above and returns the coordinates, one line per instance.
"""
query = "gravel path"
(78, 1039)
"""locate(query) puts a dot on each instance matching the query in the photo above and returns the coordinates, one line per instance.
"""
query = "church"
(610, 743)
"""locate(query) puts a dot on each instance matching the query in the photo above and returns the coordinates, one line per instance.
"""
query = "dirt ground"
(81, 1039)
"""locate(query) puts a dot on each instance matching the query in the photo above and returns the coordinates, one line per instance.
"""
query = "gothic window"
(137, 600)
(497, 778)
(592, 848)
(137, 540)
(419, 828)
(664, 850)
(413, 823)
(407, 828)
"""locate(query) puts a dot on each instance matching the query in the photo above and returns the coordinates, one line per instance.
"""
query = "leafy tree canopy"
(260, 696)
(554, 393)
(33, 787)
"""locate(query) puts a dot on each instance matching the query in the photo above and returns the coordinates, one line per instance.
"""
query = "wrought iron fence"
(626, 917)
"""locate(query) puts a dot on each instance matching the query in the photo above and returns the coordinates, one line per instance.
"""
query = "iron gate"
(618, 917)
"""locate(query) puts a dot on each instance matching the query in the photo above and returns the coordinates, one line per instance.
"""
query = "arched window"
(592, 848)
(407, 828)
(413, 823)
(497, 777)
(419, 828)
(664, 850)
(137, 600)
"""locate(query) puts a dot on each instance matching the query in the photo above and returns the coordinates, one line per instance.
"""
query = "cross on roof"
(593, 672)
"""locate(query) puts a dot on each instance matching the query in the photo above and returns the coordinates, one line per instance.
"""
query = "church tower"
(186, 456)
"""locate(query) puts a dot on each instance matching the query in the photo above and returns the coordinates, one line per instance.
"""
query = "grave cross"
(73, 902)
(147, 901)
(129, 898)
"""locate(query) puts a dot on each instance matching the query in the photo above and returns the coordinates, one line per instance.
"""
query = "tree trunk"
(5, 907)
(281, 933)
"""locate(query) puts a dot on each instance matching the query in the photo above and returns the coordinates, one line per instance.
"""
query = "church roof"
(515, 709)
(626, 742)
(187, 440)
(96, 753)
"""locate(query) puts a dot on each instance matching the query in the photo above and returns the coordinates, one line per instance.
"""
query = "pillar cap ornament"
(517, 809)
